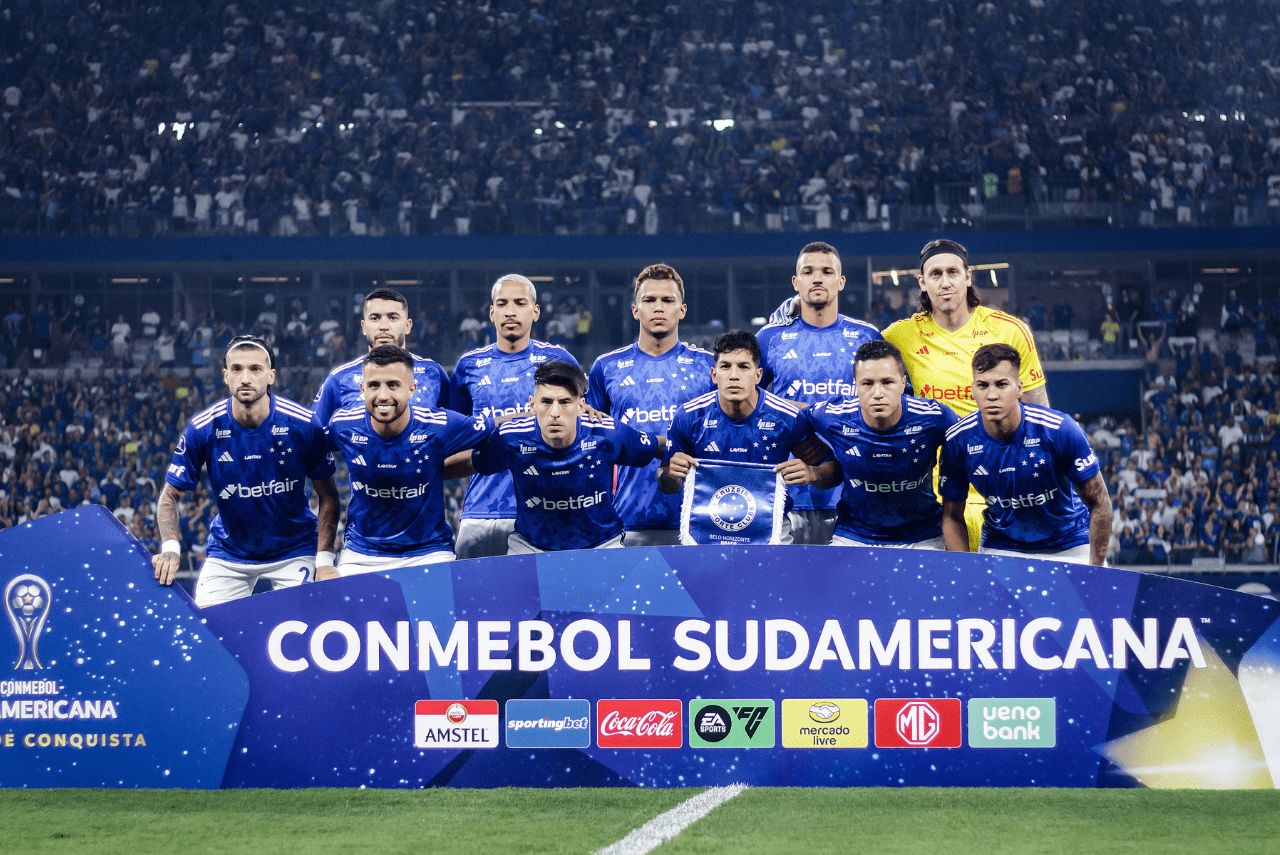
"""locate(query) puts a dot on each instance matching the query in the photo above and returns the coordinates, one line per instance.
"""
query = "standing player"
(386, 321)
(1045, 495)
(938, 343)
(395, 453)
(887, 445)
(562, 463)
(810, 359)
(259, 449)
(641, 385)
(495, 381)
(743, 423)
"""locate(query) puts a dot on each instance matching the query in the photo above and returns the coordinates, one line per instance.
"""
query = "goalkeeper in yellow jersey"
(939, 341)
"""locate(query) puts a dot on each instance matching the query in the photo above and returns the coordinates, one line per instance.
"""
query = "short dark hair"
(566, 375)
(661, 272)
(737, 340)
(991, 355)
(388, 354)
(938, 247)
(878, 349)
(249, 341)
(385, 294)
(822, 246)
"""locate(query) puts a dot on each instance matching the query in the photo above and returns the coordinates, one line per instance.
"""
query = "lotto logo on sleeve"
(824, 723)
(918, 723)
(731, 724)
(455, 724)
(548, 724)
(639, 724)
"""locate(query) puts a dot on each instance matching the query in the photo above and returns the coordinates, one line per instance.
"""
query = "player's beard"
(399, 341)
(397, 411)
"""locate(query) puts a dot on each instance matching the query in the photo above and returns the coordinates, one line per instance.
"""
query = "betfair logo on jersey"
(824, 723)
(905, 486)
(258, 491)
(629, 381)
(731, 724)
(573, 503)
(394, 493)
(662, 415)
(946, 393)
(1028, 500)
(829, 388)
(226, 457)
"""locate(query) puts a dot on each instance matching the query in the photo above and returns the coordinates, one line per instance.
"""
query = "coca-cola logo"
(639, 724)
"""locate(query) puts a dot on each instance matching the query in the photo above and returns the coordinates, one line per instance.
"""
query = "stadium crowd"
(522, 117)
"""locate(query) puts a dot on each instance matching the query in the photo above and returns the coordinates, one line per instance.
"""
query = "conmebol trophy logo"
(26, 600)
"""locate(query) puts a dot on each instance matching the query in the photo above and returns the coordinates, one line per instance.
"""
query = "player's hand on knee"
(327, 572)
(165, 565)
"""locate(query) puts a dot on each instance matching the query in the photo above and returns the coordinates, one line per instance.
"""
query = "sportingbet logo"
(1013, 723)
(824, 723)
(918, 723)
(455, 724)
(257, 491)
(947, 393)
(548, 724)
(639, 724)
(831, 387)
(573, 503)
(662, 415)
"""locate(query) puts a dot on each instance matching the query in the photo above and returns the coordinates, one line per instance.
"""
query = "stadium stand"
(519, 117)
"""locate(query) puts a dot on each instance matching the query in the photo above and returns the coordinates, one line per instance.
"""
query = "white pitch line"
(665, 826)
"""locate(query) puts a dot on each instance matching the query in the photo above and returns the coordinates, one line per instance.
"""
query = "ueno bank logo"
(918, 723)
(639, 723)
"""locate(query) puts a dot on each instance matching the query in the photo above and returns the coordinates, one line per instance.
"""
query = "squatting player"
(887, 445)
(562, 463)
(641, 385)
(492, 382)
(810, 358)
(1044, 492)
(259, 450)
(938, 342)
(395, 453)
(386, 321)
(743, 423)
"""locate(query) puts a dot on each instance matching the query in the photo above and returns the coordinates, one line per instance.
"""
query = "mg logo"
(917, 723)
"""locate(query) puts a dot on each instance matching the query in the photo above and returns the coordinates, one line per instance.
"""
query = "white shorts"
(223, 581)
(651, 537)
(352, 563)
(812, 527)
(932, 543)
(1074, 555)
(517, 545)
(481, 538)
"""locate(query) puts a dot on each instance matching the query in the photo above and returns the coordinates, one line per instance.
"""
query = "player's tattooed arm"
(1096, 498)
(1039, 395)
(671, 474)
(165, 564)
(954, 531)
(327, 514)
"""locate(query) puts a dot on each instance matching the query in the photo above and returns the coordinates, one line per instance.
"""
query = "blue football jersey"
(887, 496)
(341, 388)
(490, 383)
(702, 429)
(397, 489)
(644, 391)
(564, 496)
(259, 478)
(809, 364)
(1028, 479)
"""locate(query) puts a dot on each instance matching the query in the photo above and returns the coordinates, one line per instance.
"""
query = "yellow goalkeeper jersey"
(939, 362)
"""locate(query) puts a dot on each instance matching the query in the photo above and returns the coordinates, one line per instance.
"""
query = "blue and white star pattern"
(397, 487)
(259, 478)
(888, 477)
(342, 388)
(490, 383)
(564, 495)
(809, 364)
(644, 391)
(1028, 479)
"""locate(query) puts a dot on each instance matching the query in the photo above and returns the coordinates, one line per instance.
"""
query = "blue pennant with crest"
(727, 502)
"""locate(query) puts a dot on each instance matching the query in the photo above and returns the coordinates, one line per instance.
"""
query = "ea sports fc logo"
(732, 507)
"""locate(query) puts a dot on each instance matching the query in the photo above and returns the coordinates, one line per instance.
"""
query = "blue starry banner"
(732, 503)
(657, 667)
